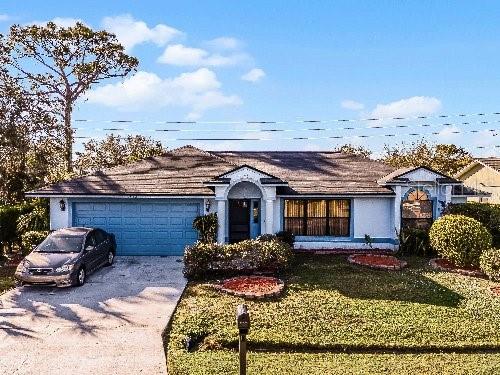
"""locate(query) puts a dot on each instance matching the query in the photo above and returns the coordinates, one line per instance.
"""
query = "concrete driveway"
(111, 325)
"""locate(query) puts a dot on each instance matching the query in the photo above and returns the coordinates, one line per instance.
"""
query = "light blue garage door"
(142, 227)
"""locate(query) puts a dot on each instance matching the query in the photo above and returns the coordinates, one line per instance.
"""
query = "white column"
(221, 219)
(269, 215)
(397, 210)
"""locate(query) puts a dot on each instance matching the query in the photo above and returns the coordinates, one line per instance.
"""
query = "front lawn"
(417, 317)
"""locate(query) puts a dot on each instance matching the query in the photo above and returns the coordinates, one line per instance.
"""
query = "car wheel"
(80, 277)
(111, 258)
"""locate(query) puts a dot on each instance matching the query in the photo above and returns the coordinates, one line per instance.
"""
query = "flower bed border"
(402, 264)
(275, 292)
(433, 263)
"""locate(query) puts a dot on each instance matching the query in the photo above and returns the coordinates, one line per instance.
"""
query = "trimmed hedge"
(459, 239)
(32, 238)
(486, 213)
(490, 263)
(261, 254)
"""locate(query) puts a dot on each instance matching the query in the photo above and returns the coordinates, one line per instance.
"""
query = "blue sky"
(287, 61)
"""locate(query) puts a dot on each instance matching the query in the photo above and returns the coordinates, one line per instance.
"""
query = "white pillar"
(221, 219)
(269, 215)
(397, 210)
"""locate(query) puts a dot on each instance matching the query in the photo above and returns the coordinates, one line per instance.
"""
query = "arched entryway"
(417, 209)
(244, 209)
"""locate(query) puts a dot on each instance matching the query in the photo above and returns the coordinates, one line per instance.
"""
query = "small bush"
(459, 239)
(32, 238)
(287, 237)
(8, 223)
(36, 219)
(267, 237)
(203, 259)
(490, 263)
(206, 226)
(414, 241)
(487, 214)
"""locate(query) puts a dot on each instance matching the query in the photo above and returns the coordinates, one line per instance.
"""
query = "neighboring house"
(482, 174)
(328, 199)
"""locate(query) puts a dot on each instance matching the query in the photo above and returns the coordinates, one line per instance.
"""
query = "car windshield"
(57, 243)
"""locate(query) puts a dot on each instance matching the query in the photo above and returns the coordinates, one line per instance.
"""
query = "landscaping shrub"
(32, 238)
(490, 263)
(414, 241)
(36, 219)
(8, 224)
(204, 259)
(459, 239)
(287, 237)
(267, 237)
(486, 213)
(206, 225)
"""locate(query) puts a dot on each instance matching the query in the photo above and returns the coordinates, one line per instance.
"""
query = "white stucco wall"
(373, 216)
(59, 219)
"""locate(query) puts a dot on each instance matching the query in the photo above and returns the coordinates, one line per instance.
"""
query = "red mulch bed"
(385, 262)
(252, 286)
(446, 265)
(496, 290)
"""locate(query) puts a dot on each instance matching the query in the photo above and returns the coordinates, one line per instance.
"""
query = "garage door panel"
(142, 228)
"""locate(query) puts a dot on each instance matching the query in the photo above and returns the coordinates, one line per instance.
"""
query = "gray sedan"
(67, 256)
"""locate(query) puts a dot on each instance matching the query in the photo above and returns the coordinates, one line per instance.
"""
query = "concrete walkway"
(111, 325)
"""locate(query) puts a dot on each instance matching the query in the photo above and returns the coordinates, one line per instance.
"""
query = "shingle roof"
(183, 171)
(491, 162)
(316, 172)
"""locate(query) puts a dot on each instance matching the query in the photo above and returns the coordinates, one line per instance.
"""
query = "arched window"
(417, 210)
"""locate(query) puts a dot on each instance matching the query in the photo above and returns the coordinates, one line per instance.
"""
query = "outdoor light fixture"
(207, 205)
(62, 205)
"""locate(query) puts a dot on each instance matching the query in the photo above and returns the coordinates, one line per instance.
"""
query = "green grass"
(331, 307)
(6, 278)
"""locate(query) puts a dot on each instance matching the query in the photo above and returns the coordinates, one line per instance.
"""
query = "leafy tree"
(25, 126)
(355, 150)
(445, 158)
(62, 63)
(116, 150)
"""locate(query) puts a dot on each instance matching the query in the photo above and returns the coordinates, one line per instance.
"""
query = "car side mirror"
(89, 248)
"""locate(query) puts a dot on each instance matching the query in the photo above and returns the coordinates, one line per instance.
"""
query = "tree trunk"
(68, 137)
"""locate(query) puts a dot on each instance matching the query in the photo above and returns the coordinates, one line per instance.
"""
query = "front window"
(417, 210)
(56, 243)
(317, 217)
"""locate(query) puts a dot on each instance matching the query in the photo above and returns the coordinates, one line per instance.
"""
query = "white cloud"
(180, 55)
(352, 105)
(254, 75)
(449, 132)
(198, 91)
(224, 43)
(414, 106)
(131, 32)
(4, 17)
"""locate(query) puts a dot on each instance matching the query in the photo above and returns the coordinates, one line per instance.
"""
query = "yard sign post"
(243, 322)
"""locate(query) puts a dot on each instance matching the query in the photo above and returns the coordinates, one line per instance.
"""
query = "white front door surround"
(244, 183)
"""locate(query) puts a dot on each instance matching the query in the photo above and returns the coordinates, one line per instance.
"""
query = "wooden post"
(243, 354)
(243, 322)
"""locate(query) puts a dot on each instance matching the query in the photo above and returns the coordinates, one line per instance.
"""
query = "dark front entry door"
(239, 220)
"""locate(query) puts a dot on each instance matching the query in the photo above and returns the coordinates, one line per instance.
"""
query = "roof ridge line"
(209, 153)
